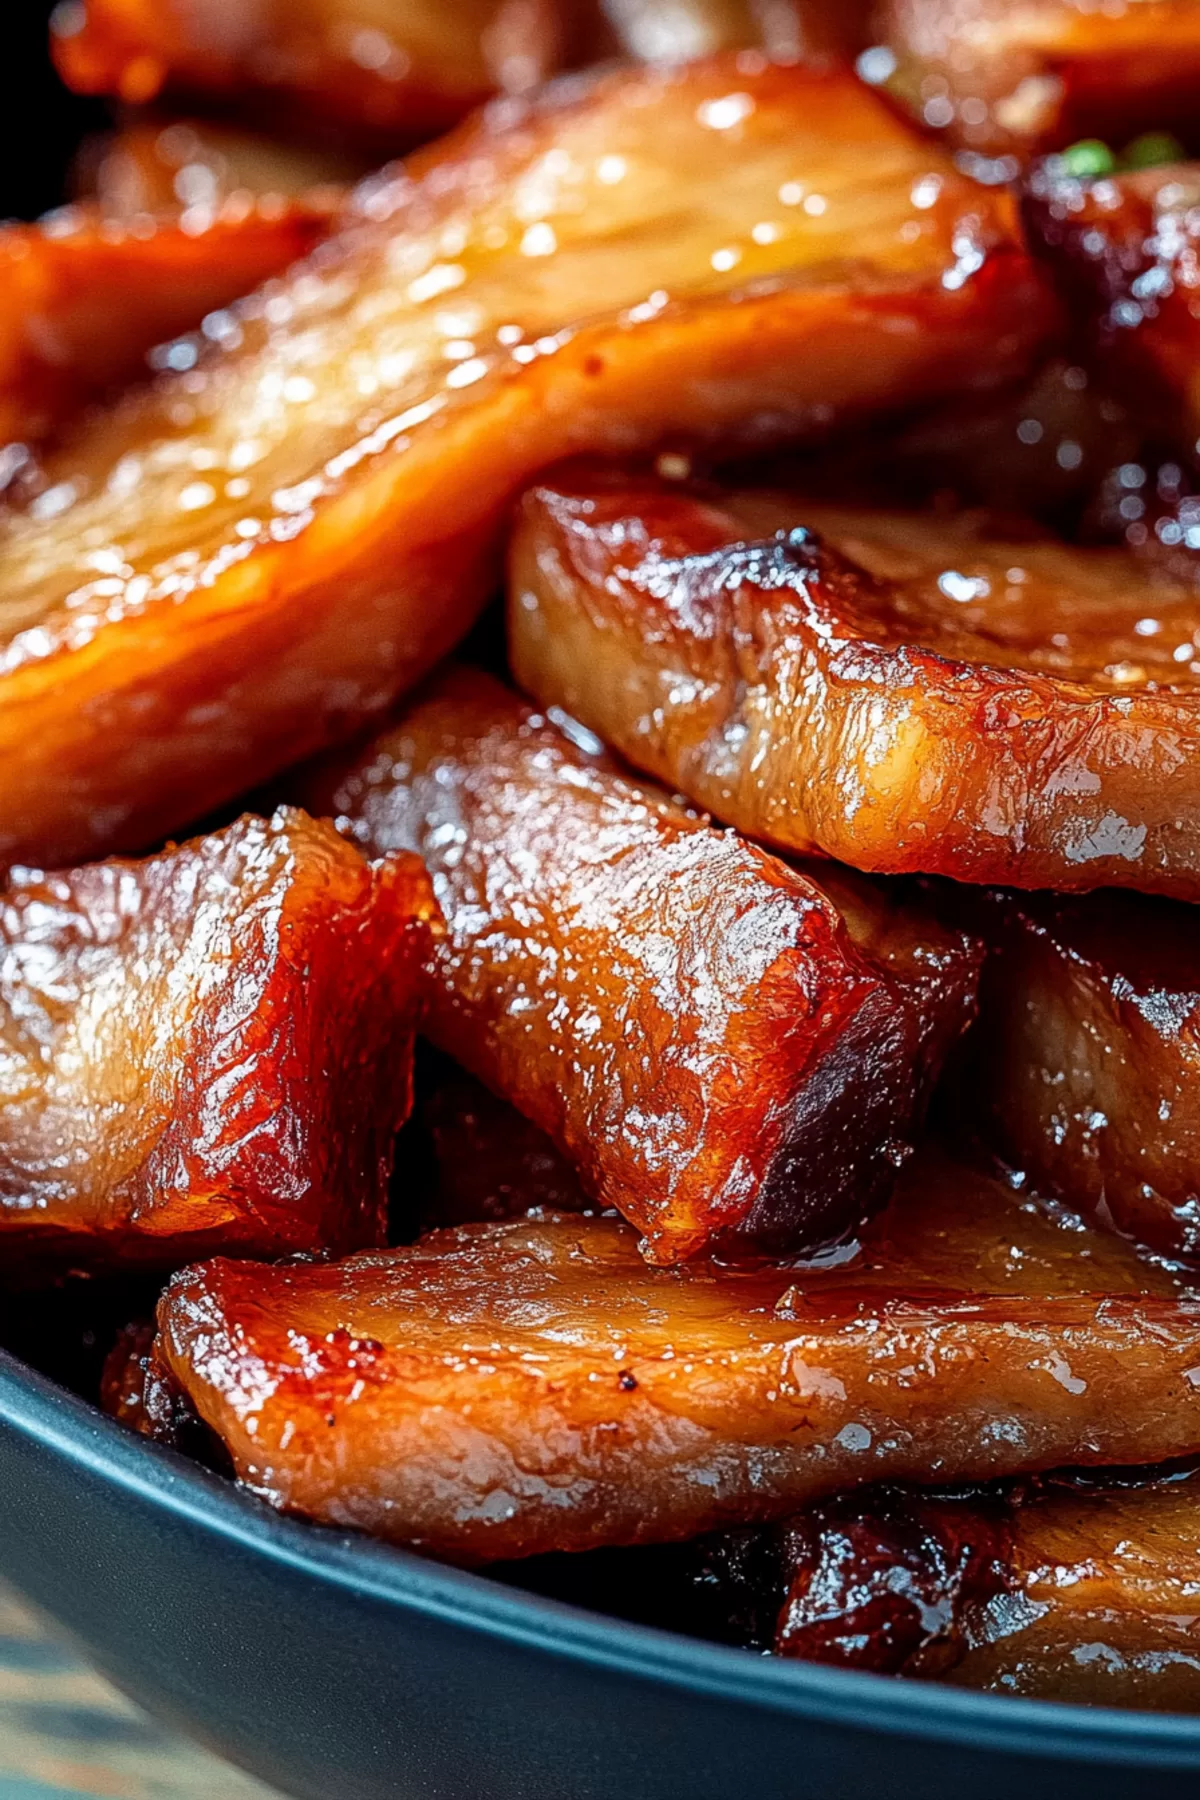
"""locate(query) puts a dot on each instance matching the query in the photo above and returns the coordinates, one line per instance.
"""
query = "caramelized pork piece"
(489, 1161)
(1004, 78)
(1089, 1058)
(83, 298)
(1061, 1591)
(238, 567)
(154, 164)
(685, 1017)
(898, 691)
(137, 1390)
(1128, 247)
(388, 72)
(509, 1389)
(207, 1050)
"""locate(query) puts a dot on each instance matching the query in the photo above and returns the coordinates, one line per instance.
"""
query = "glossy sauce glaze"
(1087, 1057)
(241, 564)
(1004, 79)
(83, 298)
(209, 1049)
(386, 74)
(686, 1018)
(509, 1389)
(898, 691)
(154, 163)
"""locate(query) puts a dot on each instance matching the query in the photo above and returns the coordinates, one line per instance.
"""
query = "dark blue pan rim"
(82, 1439)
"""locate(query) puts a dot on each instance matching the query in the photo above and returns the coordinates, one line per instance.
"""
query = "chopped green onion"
(1088, 157)
(1152, 148)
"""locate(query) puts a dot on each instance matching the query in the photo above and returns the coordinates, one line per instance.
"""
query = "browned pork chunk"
(900, 691)
(206, 1050)
(685, 1016)
(1088, 1057)
(1011, 76)
(508, 1389)
(242, 564)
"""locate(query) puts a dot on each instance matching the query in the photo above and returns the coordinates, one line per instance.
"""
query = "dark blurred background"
(42, 124)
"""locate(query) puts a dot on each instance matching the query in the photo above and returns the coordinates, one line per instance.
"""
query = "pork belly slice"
(1087, 1058)
(209, 1050)
(84, 298)
(1004, 79)
(687, 1018)
(238, 567)
(508, 1389)
(1126, 247)
(899, 691)
(384, 74)
(1059, 1590)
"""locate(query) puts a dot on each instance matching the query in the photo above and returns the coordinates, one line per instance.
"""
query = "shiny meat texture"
(898, 691)
(83, 299)
(678, 30)
(683, 1015)
(1061, 1592)
(237, 568)
(489, 1161)
(152, 164)
(1089, 1058)
(388, 72)
(1003, 78)
(510, 1389)
(1128, 248)
(139, 1392)
(206, 1050)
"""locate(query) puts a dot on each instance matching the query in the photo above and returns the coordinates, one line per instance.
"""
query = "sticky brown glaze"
(138, 1391)
(683, 1015)
(1088, 1058)
(1128, 249)
(1061, 1591)
(388, 75)
(238, 567)
(510, 1389)
(899, 691)
(1004, 79)
(154, 163)
(489, 1161)
(83, 298)
(207, 1050)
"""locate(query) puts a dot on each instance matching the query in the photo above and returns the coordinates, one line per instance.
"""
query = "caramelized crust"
(509, 1389)
(684, 1016)
(1001, 77)
(489, 1161)
(898, 691)
(1089, 1058)
(238, 567)
(1062, 1592)
(207, 1050)
(155, 164)
(385, 73)
(1128, 248)
(83, 298)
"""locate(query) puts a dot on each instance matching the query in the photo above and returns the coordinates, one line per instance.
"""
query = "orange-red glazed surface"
(1004, 77)
(899, 691)
(686, 1017)
(506, 1389)
(240, 565)
(206, 1050)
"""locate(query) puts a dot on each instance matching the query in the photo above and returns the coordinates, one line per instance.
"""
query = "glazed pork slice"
(207, 1050)
(686, 1017)
(898, 691)
(1127, 247)
(1004, 79)
(505, 1390)
(241, 565)
(387, 72)
(1059, 1590)
(1087, 1057)
(84, 298)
